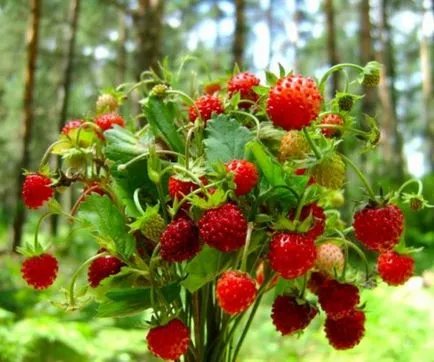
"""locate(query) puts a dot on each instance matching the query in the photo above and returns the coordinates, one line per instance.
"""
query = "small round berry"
(331, 120)
(330, 258)
(179, 188)
(207, 105)
(318, 219)
(338, 299)
(291, 254)
(289, 316)
(394, 268)
(316, 281)
(294, 102)
(169, 341)
(40, 271)
(345, 102)
(36, 190)
(180, 241)
(235, 291)
(244, 83)
(346, 332)
(71, 125)
(293, 146)
(245, 176)
(108, 120)
(106, 103)
(103, 267)
(330, 172)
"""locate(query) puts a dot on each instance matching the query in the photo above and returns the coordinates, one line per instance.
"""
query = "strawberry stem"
(336, 68)
(246, 246)
(312, 144)
(48, 152)
(124, 166)
(137, 201)
(409, 182)
(36, 245)
(251, 116)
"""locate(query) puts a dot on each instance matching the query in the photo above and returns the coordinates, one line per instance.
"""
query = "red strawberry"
(180, 188)
(40, 271)
(245, 175)
(331, 119)
(346, 332)
(180, 240)
(289, 316)
(379, 228)
(338, 299)
(294, 102)
(330, 258)
(394, 268)
(169, 341)
(318, 216)
(207, 105)
(108, 120)
(291, 254)
(224, 228)
(103, 267)
(244, 83)
(235, 291)
(70, 125)
(316, 281)
(36, 190)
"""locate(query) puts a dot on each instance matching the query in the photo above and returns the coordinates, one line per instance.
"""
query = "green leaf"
(225, 139)
(161, 117)
(205, 267)
(261, 90)
(123, 302)
(271, 78)
(104, 218)
(282, 71)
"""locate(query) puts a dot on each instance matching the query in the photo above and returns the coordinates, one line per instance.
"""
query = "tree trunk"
(122, 51)
(331, 44)
(239, 34)
(64, 89)
(26, 131)
(391, 137)
(426, 45)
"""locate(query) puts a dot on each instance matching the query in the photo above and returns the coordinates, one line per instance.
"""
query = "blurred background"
(57, 55)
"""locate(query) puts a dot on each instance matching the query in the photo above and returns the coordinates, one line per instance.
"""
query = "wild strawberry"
(346, 332)
(207, 105)
(379, 228)
(40, 271)
(318, 219)
(329, 172)
(394, 268)
(235, 291)
(289, 316)
(345, 102)
(291, 254)
(245, 175)
(103, 267)
(179, 188)
(293, 146)
(106, 103)
(338, 299)
(153, 227)
(169, 341)
(316, 281)
(224, 228)
(108, 120)
(330, 258)
(244, 83)
(70, 125)
(294, 102)
(180, 240)
(36, 190)
(159, 90)
(332, 120)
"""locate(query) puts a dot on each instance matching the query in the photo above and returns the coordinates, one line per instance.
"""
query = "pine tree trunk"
(240, 33)
(26, 131)
(331, 44)
(65, 88)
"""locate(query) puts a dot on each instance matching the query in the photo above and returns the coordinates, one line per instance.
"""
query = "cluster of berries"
(222, 207)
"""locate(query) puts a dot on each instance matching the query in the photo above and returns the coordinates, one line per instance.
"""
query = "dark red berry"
(394, 268)
(331, 120)
(207, 105)
(103, 267)
(346, 332)
(338, 299)
(245, 175)
(318, 219)
(36, 190)
(108, 120)
(244, 83)
(40, 271)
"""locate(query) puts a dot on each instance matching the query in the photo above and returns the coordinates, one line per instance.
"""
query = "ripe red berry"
(245, 175)
(108, 120)
(379, 228)
(394, 268)
(330, 258)
(180, 188)
(224, 228)
(169, 341)
(207, 105)
(244, 83)
(70, 125)
(40, 271)
(333, 120)
(103, 267)
(235, 291)
(316, 281)
(291, 254)
(180, 241)
(318, 219)
(36, 190)
(346, 332)
(289, 316)
(294, 102)
(338, 299)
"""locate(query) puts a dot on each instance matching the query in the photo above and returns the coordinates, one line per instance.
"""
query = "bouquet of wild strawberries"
(213, 202)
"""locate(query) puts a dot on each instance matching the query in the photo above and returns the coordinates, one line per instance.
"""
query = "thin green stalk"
(187, 146)
(124, 166)
(160, 192)
(38, 226)
(312, 144)
(48, 152)
(335, 68)
(246, 246)
(300, 206)
(137, 201)
(251, 116)
(409, 182)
